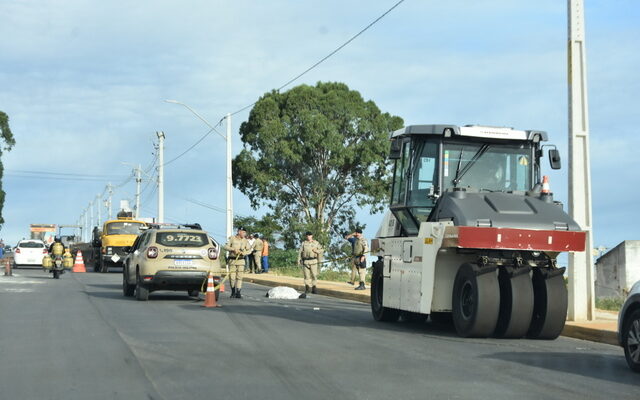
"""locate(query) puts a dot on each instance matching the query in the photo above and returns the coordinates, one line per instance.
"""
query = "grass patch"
(325, 274)
(609, 303)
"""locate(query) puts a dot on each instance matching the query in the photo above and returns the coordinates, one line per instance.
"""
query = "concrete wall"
(618, 270)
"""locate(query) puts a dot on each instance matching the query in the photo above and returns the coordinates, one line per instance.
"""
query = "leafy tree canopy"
(6, 137)
(315, 154)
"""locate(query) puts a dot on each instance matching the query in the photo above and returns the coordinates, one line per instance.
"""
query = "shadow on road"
(116, 286)
(327, 316)
(117, 295)
(607, 367)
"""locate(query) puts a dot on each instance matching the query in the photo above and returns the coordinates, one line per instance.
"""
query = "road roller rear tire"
(475, 300)
(549, 304)
(516, 302)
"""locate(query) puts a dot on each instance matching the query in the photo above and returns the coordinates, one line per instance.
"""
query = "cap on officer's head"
(255, 235)
(241, 228)
(308, 233)
(358, 230)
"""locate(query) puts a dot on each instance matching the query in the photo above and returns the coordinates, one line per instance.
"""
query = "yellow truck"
(108, 244)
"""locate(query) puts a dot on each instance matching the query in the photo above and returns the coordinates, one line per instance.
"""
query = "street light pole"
(138, 180)
(228, 138)
(229, 181)
(99, 207)
(160, 176)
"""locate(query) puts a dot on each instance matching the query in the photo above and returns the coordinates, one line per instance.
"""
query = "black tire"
(142, 292)
(443, 318)
(631, 340)
(475, 301)
(127, 289)
(193, 293)
(413, 317)
(380, 313)
(550, 300)
(56, 274)
(516, 302)
(104, 266)
(15, 266)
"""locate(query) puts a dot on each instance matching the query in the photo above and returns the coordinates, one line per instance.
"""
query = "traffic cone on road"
(210, 296)
(78, 266)
(7, 269)
(545, 185)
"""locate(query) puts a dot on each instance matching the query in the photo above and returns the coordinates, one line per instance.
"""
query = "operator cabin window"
(423, 180)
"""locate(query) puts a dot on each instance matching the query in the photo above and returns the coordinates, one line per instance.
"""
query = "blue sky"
(84, 82)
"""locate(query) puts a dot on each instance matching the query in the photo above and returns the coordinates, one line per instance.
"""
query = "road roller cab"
(473, 233)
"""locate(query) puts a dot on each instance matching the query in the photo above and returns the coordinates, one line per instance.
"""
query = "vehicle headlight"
(109, 250)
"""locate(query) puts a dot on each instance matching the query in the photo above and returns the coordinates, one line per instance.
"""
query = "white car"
(629, 328)
(29, 252)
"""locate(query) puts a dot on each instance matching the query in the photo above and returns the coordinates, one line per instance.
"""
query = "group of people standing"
(243, 249)
(254, 252)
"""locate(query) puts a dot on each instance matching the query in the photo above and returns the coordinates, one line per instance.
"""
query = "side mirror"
(396, 149)
(554, 159)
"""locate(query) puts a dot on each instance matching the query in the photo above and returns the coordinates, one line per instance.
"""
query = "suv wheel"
(631, 340)
(142, 293)
(127, 288)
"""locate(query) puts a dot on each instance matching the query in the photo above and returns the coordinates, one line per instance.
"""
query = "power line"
(57, 178)
(343, 45)
(62, 173)
(290, 81)
(190, 148)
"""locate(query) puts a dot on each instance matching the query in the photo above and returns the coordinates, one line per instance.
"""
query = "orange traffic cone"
(78, 266)
(545, 185)
(7, 269)
(210, 296)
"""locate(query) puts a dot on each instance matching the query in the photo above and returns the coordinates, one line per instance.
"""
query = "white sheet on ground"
(283, 292)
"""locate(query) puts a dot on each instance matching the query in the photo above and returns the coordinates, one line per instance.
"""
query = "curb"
(570, 330)
(590, 334)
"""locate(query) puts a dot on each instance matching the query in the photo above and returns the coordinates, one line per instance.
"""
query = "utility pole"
(110, 190)
(99, 207)
(138, 181)
(86, 224)
(229, 181)
(160, 176)
(91, 213)
(581, 285)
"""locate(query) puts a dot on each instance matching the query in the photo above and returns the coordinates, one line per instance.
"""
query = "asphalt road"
(79, 338)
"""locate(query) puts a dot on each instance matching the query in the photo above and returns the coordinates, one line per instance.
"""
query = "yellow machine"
(115, 236)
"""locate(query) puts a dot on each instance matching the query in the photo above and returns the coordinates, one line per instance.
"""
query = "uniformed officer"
(238, 247)
(309, 256)
(257, 253)
(350, 237)
(360, 249)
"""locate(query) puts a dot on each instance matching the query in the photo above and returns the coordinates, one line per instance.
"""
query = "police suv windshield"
(124, 228)
(493, 167)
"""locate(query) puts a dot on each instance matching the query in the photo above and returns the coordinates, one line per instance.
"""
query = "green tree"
(315, 154)
(8, 142)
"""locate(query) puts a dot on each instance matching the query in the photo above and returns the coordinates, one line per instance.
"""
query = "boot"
(238, 295)
(313, 290)
(361, 287)
(306, 289)
(233, 292)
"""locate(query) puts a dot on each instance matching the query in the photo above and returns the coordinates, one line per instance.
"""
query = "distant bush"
(609, 303)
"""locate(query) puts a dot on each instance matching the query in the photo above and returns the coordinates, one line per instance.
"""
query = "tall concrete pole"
(138, 181)
(581, 285)
(86, 224)
(160, 176)
(110, 190)
(99, 207)
(91, 214)
(229, 181)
